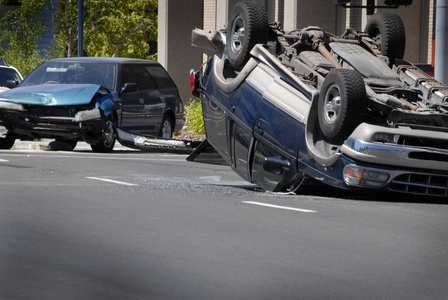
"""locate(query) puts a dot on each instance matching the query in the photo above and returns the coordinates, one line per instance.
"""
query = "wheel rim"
(237, 35)
(108, 134)
(166, 129)
(332, 104)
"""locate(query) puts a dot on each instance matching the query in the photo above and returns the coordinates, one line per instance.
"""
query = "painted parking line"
(278, 206)
(113, 181)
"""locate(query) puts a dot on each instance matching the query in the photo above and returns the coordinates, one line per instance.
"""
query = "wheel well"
(170, 114)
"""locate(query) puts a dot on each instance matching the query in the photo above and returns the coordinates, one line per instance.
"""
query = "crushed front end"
(50, 114)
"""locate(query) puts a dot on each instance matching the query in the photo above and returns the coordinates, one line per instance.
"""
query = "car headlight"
(86, 115)
(11, 106)
(358, 176)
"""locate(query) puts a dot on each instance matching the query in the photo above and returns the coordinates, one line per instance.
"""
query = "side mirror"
(129, 87)
(10, 84)
(276, 165)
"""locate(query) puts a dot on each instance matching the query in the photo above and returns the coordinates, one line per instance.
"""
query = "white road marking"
(112, 181)
(277, 206)
(4, 160)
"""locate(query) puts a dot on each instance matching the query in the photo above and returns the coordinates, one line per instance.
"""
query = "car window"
(127, 76)
(8, 74)
(72, 73)
(143, 79)
(268, 181)
(161, 77)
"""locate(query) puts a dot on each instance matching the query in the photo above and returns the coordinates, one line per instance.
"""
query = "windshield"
(72, 73)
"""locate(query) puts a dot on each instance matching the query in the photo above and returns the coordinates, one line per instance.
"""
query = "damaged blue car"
(93, 100)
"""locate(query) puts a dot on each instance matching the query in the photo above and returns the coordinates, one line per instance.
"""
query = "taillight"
(192, 80)
(194, 83)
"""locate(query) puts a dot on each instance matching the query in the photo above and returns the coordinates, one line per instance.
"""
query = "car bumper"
(405, 168)
(24, 123)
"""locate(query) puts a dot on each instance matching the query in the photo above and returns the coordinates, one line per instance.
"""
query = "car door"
(138, 103)
(154, 103)
(132, 102)
(277, 138)
(244, 109)
(169, 94)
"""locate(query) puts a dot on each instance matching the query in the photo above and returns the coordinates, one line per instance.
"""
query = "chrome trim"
(392, 155)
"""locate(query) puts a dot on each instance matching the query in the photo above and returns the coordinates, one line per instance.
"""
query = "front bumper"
(375, 144)
(51, 122)
(398, 152)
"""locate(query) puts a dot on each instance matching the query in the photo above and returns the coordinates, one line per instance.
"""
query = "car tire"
(248, 26)
(166, 130)
(70, 143)
(342, 103)
(387, 31)
(7, 142)
(107, 140)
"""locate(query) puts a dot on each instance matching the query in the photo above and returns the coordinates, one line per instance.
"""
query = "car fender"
(106, 104)
(321, 151)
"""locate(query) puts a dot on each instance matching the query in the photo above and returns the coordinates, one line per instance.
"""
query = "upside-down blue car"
(346, 111)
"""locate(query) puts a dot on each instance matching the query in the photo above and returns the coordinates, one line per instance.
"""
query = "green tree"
(65, 37)
(120, 27)
(20, 30)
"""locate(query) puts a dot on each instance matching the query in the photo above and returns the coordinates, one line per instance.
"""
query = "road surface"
(150, 225)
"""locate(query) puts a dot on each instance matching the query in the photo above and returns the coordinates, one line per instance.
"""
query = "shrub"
(193, 117)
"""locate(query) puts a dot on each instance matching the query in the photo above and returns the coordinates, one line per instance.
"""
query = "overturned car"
(93, 99)
(347, 111)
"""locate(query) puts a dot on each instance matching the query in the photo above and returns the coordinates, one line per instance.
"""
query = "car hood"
(54, 94)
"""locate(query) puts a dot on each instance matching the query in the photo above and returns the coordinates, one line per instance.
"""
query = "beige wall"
(177, 18)
(302, 13)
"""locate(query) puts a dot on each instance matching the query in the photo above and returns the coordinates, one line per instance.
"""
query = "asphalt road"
(150, 225)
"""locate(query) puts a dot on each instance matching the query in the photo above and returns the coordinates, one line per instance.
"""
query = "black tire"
(387, 31)
(70, 143)
(248, 26)
(8, 141)
(107, 140)
(166, 130)
(342, 104)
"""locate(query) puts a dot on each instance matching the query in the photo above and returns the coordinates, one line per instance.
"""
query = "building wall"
(299, 14)
(177, 18)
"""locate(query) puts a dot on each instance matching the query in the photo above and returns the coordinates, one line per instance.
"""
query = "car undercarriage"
(369, 118)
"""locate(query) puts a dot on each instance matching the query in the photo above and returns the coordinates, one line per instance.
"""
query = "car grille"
(420, 184)
(56, 111)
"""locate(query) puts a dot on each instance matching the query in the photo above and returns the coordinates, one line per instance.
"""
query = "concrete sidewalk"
(44, 145)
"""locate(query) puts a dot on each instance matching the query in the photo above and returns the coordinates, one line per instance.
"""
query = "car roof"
(118, 60)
